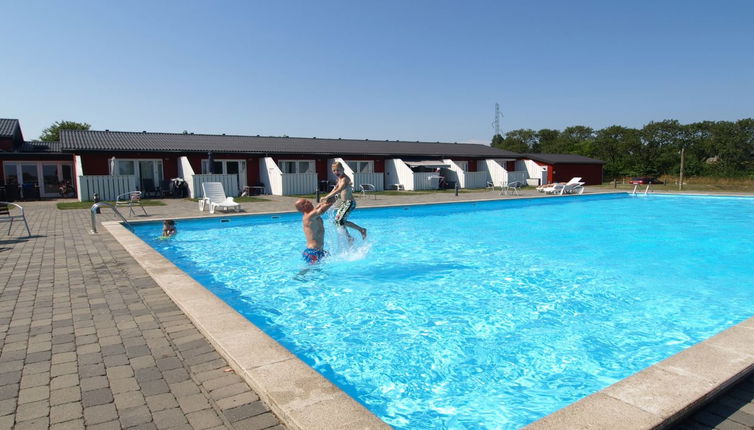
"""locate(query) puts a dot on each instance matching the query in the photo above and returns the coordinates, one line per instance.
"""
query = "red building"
(563, 167)
(108, 162)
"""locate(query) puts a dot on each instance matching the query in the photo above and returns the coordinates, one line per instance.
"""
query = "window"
(361, 166)
(464, 165)
(225, 167)
(126, 167)
(11, 174)
(295, 166)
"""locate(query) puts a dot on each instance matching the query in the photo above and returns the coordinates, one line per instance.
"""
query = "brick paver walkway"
(88, 340)
(733, 410)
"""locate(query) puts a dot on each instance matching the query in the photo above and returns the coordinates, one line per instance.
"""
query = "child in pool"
(168, 228)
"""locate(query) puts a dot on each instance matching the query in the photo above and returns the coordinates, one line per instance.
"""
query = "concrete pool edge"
(660, 395)
(652, 398)
(296, 393)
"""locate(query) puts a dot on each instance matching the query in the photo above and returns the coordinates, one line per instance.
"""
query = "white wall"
(398, 172)
(186, 172)
(79, 172)
(533, 170)
(271, 175)
(494, 168)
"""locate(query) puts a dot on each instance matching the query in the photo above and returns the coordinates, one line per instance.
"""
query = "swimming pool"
(490, 314)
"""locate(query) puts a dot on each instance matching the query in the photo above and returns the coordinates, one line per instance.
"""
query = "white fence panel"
(107, 187)
(299, 183)
(518, 176)
(375, 179)
(476, 179)
(426, 181)
(230, 184)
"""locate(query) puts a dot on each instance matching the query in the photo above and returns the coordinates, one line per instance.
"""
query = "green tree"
(661, 144)
(617, 146)
(575, 140)
(52, 133)
(521, 140)
(497, 141)
(547, 141)
(732, 144)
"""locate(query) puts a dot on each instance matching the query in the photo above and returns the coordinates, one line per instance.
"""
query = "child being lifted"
(345, 188)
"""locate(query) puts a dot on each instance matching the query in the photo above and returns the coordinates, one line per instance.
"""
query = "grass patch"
(400, 193)
(250, 199)
(732, 185)
(88, 204)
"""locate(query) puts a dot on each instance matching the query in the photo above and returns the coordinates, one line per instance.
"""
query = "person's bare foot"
(364, 233)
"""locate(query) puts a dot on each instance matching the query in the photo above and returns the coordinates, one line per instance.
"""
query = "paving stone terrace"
(89, 340)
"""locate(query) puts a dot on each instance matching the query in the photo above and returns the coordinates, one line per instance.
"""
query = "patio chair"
(512, 187)
(7, 216)
(368, 188)
(214, 197)
(130, 199)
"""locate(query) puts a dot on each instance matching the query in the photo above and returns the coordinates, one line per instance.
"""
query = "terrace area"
(89, 340)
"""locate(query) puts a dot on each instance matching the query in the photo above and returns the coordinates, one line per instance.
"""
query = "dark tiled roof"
(563, 159)
(80, 140)
(8, 127)
(41, 147)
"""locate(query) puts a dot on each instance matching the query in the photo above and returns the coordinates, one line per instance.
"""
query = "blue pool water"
(490, 314)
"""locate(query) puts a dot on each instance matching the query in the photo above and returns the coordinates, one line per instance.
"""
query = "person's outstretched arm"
(338, 188)
(324, 205)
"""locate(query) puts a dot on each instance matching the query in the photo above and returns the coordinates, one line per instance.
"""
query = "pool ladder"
(636, 188)
(98, 205)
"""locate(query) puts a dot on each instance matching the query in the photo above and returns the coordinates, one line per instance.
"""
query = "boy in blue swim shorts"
(314, 228)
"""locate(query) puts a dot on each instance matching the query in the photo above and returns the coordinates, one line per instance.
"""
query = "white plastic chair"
(7, 216)
(512, 187)
(214, 197)
(368, 188)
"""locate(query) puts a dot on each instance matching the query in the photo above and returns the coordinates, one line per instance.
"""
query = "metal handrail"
(636, 187)
(111, 206)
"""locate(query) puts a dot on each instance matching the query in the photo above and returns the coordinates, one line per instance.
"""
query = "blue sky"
(414, 70)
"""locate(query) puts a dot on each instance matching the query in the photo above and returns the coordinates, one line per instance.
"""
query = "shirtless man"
(345, 188)
(314, 229)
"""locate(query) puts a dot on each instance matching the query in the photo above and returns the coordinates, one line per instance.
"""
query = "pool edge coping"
(703, 370)
(294, 391)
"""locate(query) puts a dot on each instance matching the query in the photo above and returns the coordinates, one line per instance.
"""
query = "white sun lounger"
(573, 186)
(214, 197)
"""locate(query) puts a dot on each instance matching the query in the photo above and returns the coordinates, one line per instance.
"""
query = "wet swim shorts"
(343, 211)
(314, 255)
